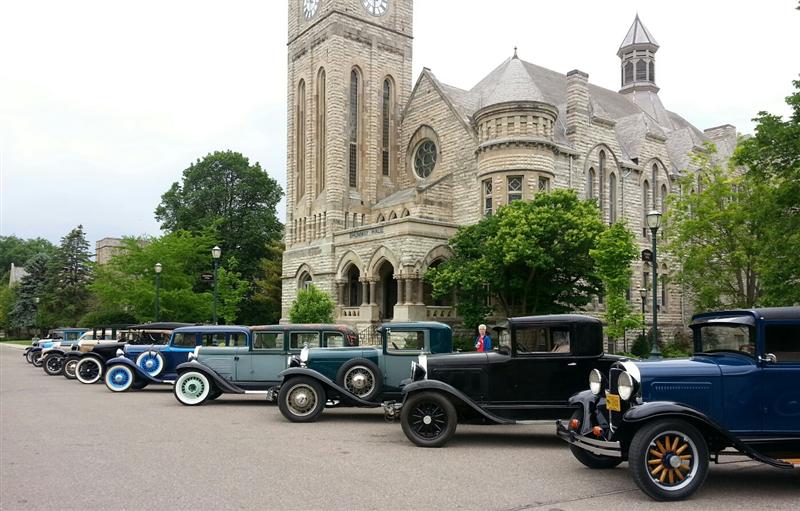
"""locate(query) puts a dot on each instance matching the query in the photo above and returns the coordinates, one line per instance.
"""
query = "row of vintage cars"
(739, 394)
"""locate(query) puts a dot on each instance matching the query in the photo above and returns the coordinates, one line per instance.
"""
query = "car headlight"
(304, 353)
(596, 382)
(625, 385)
(193, 354)
(418, 372)
(120, 353)
(294, 361)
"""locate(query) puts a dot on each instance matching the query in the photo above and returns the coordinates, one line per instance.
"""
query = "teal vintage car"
(364, 376)
(254, 367)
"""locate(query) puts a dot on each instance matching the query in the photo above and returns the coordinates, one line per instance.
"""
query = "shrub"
(641, 346)
(312, 306)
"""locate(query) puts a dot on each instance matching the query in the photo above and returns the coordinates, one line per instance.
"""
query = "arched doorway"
(352, 292)
(387, 290)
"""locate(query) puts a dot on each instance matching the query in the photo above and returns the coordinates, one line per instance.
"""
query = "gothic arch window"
(641, 70)
(386, 122)
(655, 184)
(353, 128)
(321, 130)
(663, 202)
(612, 198)
(304, 281)
(300, 138)
(645, 206)
(405, 213)
(664, 291)
(590, 177)
(381, 219)
(602, 190)
(628, 73)
(652, 71)
(393, 216)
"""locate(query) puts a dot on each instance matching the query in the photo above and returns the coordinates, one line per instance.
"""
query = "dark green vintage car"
(363, 377)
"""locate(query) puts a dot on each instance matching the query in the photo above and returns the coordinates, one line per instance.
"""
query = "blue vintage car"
(255, 368)
(738, 394)
(361, 376)
(137, 366)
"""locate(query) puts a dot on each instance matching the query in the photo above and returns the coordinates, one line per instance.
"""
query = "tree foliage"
(616, 250)
(19, 251)
(23, 313)
(69, 276)
(231, 289)
(265, 304)
(238, 199)
(532, 257)
(312, 306)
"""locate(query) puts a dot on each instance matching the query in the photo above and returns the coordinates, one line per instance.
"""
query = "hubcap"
(671, 460)
(359, 380)
(302, 400)
(428, 420)
(118, 377)
(193, 387)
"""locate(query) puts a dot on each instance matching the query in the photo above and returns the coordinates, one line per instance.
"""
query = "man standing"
(483, 342)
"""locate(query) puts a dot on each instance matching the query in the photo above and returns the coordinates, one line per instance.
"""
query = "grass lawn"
(24, 342)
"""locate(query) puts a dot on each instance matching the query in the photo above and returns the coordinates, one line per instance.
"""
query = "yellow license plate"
(612, 403)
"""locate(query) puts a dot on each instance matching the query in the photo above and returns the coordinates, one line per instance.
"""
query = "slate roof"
(638, 34)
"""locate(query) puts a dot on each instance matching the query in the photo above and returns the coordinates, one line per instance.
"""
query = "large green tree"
(24, 311)
(531, 257)
(237, 199)
(69, 276)
(616, 250)
(265, 304)
(19, 251)
(772, 159)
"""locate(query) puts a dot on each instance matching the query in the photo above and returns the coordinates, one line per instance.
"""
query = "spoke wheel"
(151, 362)
(362, 378)
(69, 368)
(669, 459)
(429, 419)
(301, 399)
(119, 378)
(192, 388)
(89, 370)
(53, 364)
(36, 359)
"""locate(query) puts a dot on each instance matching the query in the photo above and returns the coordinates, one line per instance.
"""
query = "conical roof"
(512, 82)
(638, 34)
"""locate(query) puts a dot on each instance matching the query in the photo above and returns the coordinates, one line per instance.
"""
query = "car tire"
(668, 459)
(119, 378)
(429, 419)
(589, 459)
(361, 377)
(36, 359)
(151, 362)
(28, 355)
(70, 364)
(301, 399)
(192, 388)
(53, 364)
(89, 370)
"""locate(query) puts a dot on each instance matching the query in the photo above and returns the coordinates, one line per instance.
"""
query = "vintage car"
(252, 369)
(67, 335)
(137, 366)
(739, 394)
(53, 357)
(88, 365)
(363, 376)
(541, 361)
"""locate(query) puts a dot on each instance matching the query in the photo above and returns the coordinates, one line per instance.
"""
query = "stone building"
(381, 172)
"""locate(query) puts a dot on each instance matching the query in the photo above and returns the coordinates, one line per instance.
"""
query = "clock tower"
(349, 76)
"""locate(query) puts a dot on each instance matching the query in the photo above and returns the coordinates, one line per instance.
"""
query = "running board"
(256, 391)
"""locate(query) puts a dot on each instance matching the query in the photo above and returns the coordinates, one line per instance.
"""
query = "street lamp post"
(215, 253)
(654, 222)
(643, 293)
(36, 301)
(158, 290)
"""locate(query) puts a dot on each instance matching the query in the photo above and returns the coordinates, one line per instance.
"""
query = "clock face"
(310, 8)
(376, 7)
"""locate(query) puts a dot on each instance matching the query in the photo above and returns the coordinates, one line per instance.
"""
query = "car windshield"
(728, 337)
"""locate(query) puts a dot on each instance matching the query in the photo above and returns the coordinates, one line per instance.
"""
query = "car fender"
(453, 393)
(74, 354)
(294, 372)
(137, 371)
(220, 382)
(588, 402)
(641, 414)
(35, 349)
(56, 351)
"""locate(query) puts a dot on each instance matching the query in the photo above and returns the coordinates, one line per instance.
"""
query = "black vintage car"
(541, 361)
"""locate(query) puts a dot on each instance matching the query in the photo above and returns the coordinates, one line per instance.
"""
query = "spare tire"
(151, 362)
(362, 378)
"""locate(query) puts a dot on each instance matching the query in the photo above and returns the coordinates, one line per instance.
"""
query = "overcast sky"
(104, 103)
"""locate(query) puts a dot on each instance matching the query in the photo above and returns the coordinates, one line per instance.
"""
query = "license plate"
(612, 403)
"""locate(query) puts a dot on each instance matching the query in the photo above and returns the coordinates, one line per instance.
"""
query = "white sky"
(104, 103)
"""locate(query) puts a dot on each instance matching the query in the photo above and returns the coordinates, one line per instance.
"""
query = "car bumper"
(391, 410)
(592, 445)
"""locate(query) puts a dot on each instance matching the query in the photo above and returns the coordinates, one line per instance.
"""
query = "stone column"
(399, 288)
(364, 292)
(339, 292)
(373, 285)
(421, 295)
(409, 291)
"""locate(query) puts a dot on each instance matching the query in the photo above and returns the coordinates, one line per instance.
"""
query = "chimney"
(577, 102)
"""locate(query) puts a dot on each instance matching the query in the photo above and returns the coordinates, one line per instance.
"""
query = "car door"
(541, 370)
(219, 351)
(780, 376)
(266, 359)
(400, 349)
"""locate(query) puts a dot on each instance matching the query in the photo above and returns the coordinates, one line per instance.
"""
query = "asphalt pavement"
(64, 445)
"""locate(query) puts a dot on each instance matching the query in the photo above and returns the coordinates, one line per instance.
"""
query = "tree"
(231, 289)
(265, 306)
(127, 283)
(772, 158)
(238, 199)
(69, 276)
(532, 257)
(8, 298)
(18, 251)
(311, 306)
(24, 311)
(616, 250)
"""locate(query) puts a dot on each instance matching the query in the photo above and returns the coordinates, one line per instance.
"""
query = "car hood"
(695, 382)
(450, 360)
(140, 348)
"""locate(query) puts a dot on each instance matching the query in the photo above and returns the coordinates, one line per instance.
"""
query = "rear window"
(399, 341)
(542, 340)
(300, 339)
(267, 340)
(222, 339)
(783, 341)
(184, 339)
(334, 339)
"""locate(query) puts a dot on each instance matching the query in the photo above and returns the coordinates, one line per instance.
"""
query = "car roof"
(766, 313)
(212, 329)
(303, 326)
(159, 326)
(553, 318)
(433, 325)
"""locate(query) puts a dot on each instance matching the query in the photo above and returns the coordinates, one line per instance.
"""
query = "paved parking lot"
(64, 445)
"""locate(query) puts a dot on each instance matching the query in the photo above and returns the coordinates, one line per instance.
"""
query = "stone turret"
(637, 54)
